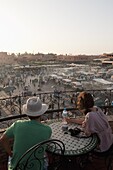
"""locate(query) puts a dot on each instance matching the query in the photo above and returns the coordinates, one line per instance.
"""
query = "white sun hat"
(34, 107)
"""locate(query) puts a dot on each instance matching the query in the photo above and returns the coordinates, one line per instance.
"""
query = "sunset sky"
(56, 26)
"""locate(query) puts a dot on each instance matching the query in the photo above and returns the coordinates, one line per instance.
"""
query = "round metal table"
(74, 146)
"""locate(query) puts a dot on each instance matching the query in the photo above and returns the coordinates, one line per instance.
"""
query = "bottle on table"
(64, 122)
(112, 103)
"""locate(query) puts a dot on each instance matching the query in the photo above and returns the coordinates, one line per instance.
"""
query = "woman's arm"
(74, 120)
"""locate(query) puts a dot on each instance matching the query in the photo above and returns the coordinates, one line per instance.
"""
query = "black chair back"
(48, 154)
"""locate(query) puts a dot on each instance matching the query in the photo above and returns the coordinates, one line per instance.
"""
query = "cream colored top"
(96, 122)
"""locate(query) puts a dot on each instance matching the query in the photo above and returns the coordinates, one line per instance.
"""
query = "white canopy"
(66, 80)
(53, 75)
(105, 82)
(76, 83)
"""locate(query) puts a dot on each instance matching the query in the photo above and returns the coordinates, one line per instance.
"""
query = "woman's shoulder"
(93, 111)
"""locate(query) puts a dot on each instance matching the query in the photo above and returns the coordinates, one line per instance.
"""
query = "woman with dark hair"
(95, 121)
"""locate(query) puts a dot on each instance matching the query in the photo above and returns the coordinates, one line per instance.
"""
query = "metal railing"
(55, 100)
(11, 107)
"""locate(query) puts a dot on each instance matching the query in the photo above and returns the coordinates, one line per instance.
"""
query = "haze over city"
(56, 26)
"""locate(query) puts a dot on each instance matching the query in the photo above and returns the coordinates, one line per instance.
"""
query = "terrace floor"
(97, 164)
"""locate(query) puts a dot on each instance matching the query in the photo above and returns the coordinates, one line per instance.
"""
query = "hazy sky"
(56, 26)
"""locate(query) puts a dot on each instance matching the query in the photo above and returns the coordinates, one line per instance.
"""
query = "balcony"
(11, 108)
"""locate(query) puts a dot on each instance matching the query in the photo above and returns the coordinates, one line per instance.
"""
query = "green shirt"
(26, 133)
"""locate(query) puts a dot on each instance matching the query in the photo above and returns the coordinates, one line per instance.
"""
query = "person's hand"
(68, 120)
(83, 124)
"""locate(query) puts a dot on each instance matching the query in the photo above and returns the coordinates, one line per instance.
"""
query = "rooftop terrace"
(11, 110)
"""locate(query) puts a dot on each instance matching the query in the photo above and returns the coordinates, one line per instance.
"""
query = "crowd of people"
(27, 133)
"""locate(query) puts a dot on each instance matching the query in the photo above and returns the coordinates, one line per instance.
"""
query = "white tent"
(102, 81)
(66, 80)
(76, 83)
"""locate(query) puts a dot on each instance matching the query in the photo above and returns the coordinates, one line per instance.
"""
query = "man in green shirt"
(26, 133)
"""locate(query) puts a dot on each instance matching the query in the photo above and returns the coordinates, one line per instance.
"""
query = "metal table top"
(75, 146)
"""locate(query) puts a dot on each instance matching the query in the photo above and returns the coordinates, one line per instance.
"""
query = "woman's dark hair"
(85, 101)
